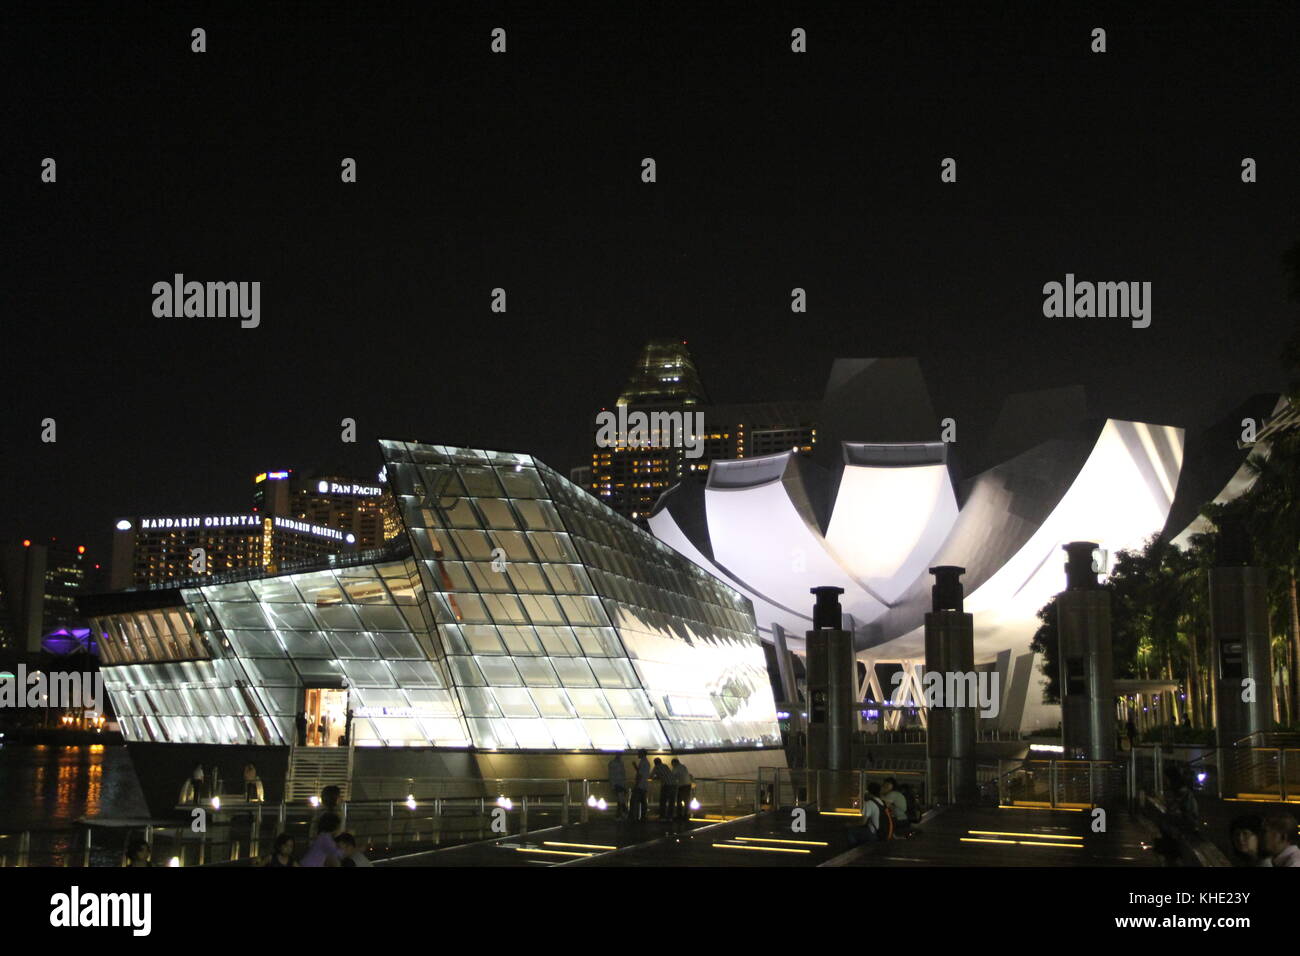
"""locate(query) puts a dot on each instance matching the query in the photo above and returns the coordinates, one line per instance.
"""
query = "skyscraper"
(630, 469)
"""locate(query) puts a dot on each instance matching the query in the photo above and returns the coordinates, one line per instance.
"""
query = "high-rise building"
(631, 468)
(168, 550)
(39, 588)
(664, 374)
(364, 509)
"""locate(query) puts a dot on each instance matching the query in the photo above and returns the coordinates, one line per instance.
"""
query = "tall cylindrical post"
(950, 659)
(1086, 668)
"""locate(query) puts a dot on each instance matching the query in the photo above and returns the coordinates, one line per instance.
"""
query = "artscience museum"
(885, 501)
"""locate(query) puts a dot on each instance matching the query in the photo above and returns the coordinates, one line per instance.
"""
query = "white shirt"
(871, 815)
(1288, 857)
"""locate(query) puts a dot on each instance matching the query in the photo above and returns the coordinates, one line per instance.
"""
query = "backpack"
(885, 831)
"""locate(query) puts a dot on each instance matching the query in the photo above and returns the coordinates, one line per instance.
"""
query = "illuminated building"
(517, 624)
(39, 588)
(885, 500)
(364, 509)
(630, 475)
(163, 551)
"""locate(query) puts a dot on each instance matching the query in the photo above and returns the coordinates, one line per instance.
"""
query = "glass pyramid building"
(517, 613)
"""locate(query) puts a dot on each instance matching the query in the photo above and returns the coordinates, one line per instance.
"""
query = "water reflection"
(45, 790)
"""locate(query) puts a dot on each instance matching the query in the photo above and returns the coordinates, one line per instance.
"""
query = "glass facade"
(529, 617)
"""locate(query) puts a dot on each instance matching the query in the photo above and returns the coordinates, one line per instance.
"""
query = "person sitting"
(877, 822)
(324, 851)
(282, 854)
(351, 855)
(1278, 848)
(138, 853)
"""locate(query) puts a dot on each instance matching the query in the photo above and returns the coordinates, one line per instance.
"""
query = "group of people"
(888, 812)
(196, 789)
(331, 846)
(1264, 840)
(675, 785)
(318, 734)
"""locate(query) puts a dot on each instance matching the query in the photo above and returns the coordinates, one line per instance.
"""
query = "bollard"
(583, 814)
(85, 857)
(523, 816)
(24, 847)
(390, 824)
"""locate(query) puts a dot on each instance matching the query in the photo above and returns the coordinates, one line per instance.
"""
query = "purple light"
(69, 641)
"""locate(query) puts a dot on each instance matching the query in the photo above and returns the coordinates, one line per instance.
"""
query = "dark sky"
(522, 171)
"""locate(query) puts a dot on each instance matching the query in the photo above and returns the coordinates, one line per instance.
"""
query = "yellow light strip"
(775, 840)
(1036, 836)
(1043, 806)
(1072, 846)
(978, 840)
(581, 846)
(767, 849)
(529, 849)
(838, 813)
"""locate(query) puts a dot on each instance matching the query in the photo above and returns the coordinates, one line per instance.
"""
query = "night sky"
(522, 171)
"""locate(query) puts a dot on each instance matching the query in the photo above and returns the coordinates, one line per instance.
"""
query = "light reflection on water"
(46, 789)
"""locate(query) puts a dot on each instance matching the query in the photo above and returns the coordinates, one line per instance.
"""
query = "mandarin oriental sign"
(303, 527)
(202, 521)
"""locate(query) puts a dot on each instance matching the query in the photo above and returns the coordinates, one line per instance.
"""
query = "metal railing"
(1058, 784)
(415, 814)
(832, 791)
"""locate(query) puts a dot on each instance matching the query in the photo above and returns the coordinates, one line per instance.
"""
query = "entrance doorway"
(327, 715)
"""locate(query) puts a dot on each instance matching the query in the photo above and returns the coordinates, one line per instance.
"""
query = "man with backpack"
(877, 819)
(896, 801)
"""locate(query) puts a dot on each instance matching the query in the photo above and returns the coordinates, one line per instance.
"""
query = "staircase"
(311, 769)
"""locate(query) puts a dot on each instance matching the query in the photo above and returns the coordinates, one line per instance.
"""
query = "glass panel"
(338, 618)
(496, 513)
(498, 671)
(515, 702)
(306, 644)
(522, 482)
(536, 671)
(416, 674)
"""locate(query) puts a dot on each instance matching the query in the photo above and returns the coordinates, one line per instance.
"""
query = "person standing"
(250, 782)
(196, 781)
(301, 721)
(683, 783)
(640, 787)
(663, 775)
(618, 782)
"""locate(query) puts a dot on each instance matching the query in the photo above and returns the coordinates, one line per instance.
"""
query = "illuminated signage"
(335, 488)
(201, 521)
(303, 527)
(394, 712)
(277, 475)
